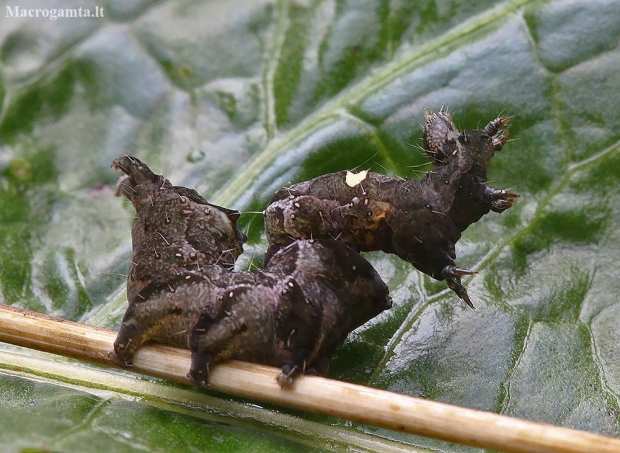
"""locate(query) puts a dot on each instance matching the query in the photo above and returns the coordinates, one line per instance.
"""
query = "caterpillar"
(418, 220)
(314, 287)
(183, 291)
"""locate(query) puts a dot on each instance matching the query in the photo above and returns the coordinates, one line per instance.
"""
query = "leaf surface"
(239, 98)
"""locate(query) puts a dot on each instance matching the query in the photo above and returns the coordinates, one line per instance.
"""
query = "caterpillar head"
(442, 139)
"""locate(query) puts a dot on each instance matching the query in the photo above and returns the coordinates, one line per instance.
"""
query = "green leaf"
(239, 98)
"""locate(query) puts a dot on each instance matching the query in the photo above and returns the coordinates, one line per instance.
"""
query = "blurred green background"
(238, 98)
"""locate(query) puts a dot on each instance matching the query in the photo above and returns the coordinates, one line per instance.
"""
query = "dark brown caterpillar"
(294, 314)
(315, 288)
(182, 290)
(420, 221)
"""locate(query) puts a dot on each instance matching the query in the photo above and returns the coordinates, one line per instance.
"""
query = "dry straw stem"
(326, 396)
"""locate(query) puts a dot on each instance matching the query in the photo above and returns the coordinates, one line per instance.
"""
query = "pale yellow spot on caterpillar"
(353, 179)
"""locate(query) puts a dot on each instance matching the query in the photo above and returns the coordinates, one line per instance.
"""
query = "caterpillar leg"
(130, 337)
(453, 275)
(199, 369)
(295, 366)
(500, 200)
(498, 130)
